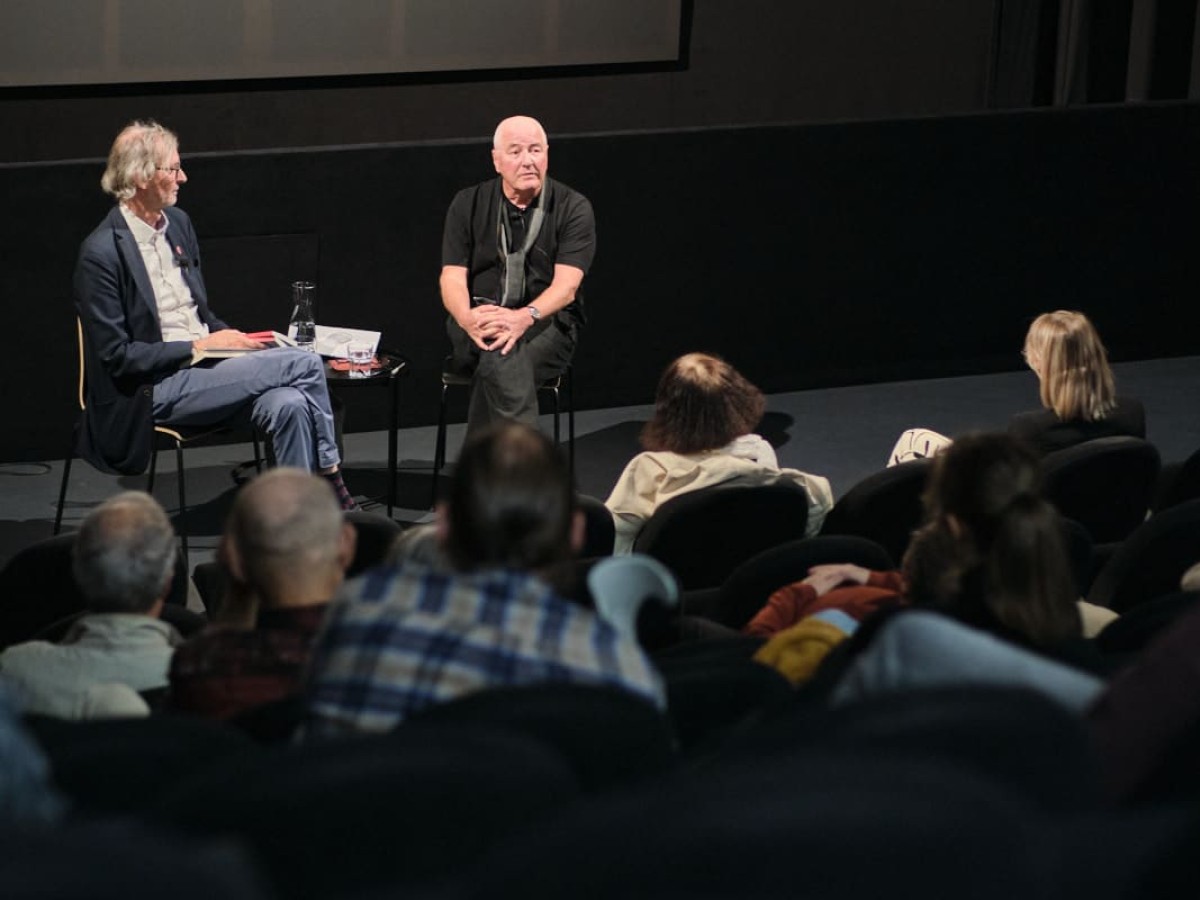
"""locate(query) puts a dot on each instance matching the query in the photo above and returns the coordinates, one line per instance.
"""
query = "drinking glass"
(361, 355)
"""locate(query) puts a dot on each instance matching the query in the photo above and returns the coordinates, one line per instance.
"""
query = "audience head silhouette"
(287, 542)
(992, 551)
(124, 555)
(702, 403)
(511, 503)
(1065, 352)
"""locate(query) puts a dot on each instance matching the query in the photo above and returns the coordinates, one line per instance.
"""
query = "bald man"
(514, 253)
(285, 550)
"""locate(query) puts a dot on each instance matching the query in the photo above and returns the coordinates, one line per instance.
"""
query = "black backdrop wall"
(747, 62)
(817, 192)
(808, 255)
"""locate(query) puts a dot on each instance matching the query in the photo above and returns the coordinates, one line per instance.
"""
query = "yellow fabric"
(796, 652)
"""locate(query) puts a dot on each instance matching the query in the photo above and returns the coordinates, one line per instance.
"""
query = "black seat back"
(752, 583)
(1106, 485)
(1150, 562)
(884, 507)
(702, 536)
(37, 589)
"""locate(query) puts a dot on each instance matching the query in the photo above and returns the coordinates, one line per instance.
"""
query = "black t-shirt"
(1045, 432)
(471, 239)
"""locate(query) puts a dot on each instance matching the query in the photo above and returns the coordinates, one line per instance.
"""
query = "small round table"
(392, 367)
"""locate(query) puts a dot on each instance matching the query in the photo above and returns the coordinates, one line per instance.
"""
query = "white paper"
(332, 340)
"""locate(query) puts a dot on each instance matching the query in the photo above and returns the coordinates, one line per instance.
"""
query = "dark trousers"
(505, 387)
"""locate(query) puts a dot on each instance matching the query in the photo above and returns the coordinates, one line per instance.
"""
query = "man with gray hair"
(123, 561)
(514, 253)
(144, 309)
(285, 551)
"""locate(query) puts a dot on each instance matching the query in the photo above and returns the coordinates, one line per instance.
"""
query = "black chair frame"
(178, 436)
(556, 387)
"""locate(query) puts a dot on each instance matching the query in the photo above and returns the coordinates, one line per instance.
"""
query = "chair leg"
(439, 450)
(557, 410)
(570, 423)
(153, 469)
(258, 460)
(183, 529)
(62, 490)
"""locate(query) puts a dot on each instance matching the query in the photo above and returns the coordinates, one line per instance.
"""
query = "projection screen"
(96, 42)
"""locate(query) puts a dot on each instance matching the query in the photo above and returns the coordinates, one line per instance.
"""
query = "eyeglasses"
(174, 170)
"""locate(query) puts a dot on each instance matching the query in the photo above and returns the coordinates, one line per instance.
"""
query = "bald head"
(521, 155)
(518, 126)
(286, 538)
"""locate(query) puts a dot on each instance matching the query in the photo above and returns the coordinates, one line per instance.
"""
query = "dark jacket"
(125, 355)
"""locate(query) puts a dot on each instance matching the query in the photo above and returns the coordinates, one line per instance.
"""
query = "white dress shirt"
(177, 313)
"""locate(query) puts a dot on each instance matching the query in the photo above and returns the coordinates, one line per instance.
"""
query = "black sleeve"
(456, 235)
(576, 233)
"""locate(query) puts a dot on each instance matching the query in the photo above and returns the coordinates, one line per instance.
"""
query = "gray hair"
(285, 521)
(124, 554)
(138, 149)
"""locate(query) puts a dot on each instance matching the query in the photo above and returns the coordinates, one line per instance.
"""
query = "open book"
(268, 339)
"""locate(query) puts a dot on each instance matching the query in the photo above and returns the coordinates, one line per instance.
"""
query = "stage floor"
(842, 433)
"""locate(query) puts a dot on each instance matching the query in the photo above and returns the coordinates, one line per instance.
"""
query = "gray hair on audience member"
(138, 149)
(283, 521)
(124, 554)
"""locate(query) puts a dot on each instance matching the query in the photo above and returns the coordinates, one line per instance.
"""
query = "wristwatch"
(534, 312)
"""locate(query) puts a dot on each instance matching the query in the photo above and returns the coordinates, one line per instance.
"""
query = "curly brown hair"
(702, 403)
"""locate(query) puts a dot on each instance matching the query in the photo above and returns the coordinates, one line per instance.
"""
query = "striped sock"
(339, 488)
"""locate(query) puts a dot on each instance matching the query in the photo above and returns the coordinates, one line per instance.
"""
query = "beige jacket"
(653, 478)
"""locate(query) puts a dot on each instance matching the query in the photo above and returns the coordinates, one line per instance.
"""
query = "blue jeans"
(925, 650)
(282, 389)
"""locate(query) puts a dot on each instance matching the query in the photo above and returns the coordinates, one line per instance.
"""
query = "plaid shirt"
(400, 639)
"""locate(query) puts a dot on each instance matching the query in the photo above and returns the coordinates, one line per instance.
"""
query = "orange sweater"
(790, 604)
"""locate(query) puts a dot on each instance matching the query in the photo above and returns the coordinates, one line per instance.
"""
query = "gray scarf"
(514, 263)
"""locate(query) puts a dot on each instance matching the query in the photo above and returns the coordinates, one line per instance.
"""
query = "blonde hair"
(1066, 353)
(137, 151)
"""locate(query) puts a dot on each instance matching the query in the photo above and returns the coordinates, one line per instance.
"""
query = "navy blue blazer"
(122, 336)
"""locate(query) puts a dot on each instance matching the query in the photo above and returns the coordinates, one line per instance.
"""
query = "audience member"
(1079, 402)
(1076, 386)
(1146, 725)
(991, 555)
(400, 639)
(701, 435)
(919, 649)
(285, 550)
(27, 796)
(124, 558)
